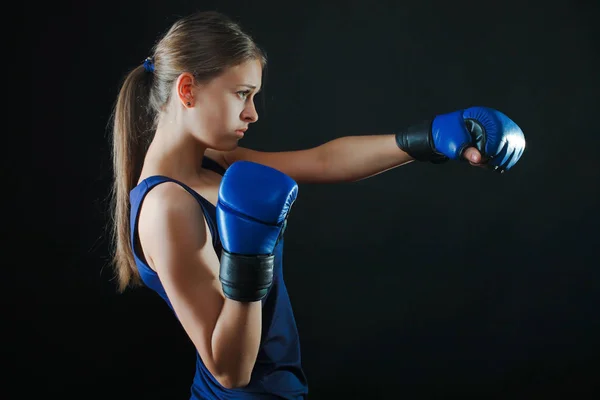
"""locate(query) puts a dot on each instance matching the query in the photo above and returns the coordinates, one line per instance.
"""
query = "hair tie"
(149, 64)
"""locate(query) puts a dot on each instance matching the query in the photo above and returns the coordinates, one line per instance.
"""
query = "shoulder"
(169, 200)
(170, 217)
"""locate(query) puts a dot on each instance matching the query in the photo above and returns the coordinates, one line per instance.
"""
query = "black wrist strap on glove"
(246, 278)
(417, 142)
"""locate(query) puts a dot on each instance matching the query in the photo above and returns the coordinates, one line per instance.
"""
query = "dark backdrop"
(423, 282)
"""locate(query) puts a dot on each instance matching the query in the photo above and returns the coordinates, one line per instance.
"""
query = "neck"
(174, 152)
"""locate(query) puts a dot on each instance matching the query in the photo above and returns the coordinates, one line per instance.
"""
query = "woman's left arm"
(345, 159)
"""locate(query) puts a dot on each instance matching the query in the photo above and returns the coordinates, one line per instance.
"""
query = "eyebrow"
(249, 86)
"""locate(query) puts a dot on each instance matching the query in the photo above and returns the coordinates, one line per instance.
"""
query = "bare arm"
(345, 159)
(177, 244)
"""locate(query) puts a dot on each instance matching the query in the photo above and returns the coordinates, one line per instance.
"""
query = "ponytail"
(204, 43)
(132, 132)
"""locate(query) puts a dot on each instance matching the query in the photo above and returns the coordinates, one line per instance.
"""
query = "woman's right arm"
(177, 245)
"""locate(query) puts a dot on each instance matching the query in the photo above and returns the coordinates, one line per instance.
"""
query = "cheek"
(234, 110)
(226, 114)
(209, 115)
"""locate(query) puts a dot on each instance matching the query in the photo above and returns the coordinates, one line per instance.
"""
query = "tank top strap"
(210, 164)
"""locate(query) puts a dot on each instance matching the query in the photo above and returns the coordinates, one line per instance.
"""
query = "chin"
(227, 146)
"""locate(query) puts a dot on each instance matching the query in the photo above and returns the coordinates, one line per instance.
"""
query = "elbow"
(232, 374)
(233, 382)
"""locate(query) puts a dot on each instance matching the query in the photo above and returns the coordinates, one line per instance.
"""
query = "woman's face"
(224, 107)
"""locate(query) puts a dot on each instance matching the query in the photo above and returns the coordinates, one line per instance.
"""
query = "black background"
(423, 282)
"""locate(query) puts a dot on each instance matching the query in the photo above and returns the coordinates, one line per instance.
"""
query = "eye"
(243, 94)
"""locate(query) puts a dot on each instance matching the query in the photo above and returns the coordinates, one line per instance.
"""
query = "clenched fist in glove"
(488, 135)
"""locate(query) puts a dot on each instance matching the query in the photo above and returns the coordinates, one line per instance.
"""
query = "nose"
(249, 114)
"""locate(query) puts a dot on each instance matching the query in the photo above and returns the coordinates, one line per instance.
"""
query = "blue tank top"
(278, 372)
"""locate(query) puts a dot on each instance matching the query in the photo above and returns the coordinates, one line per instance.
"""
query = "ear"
(184, 86)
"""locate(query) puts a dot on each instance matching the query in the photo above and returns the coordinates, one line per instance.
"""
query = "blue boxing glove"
(252, 210)
(499, 140)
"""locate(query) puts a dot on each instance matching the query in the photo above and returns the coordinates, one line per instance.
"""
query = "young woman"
(200, 220)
